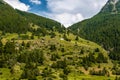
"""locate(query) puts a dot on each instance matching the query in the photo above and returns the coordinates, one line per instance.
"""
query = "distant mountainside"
(15, 21)
(41, 21)
(103, 28)
(112, 6)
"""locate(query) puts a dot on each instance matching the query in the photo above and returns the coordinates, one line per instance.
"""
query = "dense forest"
(15, 21)
(103, 29)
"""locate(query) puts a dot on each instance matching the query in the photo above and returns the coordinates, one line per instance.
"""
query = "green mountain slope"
(103, 28)
(41, 21)
(54, 58)
(15, 21)
(10, 21)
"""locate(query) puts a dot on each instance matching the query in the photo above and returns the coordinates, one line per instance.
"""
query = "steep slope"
(15, 21)
(103, 28)
(112, 6)
(41, 21)
(10, 21)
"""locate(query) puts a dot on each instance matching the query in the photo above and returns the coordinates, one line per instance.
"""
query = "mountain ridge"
(9, 19)
(112, 6)
(103, 28)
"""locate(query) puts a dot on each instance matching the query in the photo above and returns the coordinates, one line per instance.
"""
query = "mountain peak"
(112, 6)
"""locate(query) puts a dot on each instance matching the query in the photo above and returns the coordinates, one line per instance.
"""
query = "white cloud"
(66, 18)
(72, 11)
(35, 1)
(18, 5)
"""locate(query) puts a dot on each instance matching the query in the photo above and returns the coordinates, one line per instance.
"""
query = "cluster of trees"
(103, 72)
(116, 70)
(30, 71)
(7, 54)
(35, 56)
(90, 59)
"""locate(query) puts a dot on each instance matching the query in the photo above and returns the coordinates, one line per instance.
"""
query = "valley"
(33, 47)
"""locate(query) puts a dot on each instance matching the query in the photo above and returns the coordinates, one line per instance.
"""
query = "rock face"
(112, 6)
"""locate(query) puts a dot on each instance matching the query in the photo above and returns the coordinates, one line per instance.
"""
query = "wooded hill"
(103, 28)
(15, 21)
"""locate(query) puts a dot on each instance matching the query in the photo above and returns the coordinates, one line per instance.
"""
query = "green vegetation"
(15, 21)
(50, 58)
(103, 29)
(36, 48)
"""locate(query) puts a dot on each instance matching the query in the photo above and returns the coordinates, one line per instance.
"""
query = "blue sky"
(67, 12)
(36, 7)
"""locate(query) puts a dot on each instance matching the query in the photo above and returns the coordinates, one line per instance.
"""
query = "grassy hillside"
(53, 58)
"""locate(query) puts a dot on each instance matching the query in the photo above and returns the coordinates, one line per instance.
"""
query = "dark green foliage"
(53, 47)
(15, 21)
(28, 45)
(9, 47)
(60, 64)
(115, 55)
(82, 51)
(24, 37)
(77, 38)
(66, 71)
(1, 47)
(63, 76)
(10, 21)
(1, 44)
(54, 57)
(39, 31)
(115, 70)
(103, 29)
(23, 44)
(30, 72)
(97, 50)
(35, 56)
(46, 72)
(88, 60)
(62, 50)
(66, 38)
(52, 35)
(102, 72)
(41, 21)
(101, 58)
(91, 59)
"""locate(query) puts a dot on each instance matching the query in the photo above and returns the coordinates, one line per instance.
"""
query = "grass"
(88, 77)
(5, 74)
